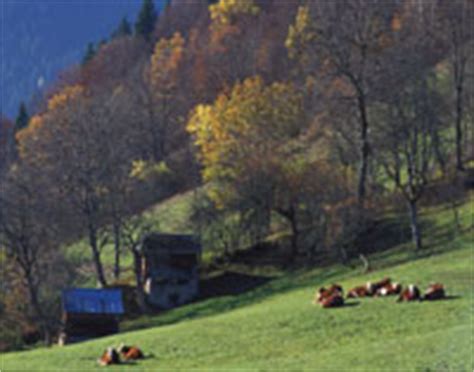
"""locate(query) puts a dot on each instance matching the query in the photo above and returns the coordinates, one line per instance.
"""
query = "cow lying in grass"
(411, 293)
(370, 289)
(109, 357)
(360, 291)
(323, 292)
(434, 292)
(334, 300)
(330, 297)
(130, 352)
(389, 290)
(373, 288)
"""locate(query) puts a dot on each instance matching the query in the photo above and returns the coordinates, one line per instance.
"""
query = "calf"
(412, 293)
(110, 356)
(389, 289)
(434, 292)
(334, 300)
(130, 352)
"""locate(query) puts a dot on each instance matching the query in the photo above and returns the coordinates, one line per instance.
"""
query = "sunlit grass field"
(275, 327)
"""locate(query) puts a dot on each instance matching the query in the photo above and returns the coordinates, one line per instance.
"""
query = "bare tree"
(345, 43)
(134, 229)
(406, 150)
(456, 21)
(29, 238)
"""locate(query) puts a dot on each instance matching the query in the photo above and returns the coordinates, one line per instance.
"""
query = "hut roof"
(93, 301)
(171, 243)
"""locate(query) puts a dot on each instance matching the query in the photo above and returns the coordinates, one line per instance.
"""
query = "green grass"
(274, 327)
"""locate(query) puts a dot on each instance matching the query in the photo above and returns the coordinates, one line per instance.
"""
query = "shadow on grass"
(230, 284)
(446, 298)
(351, 304)
(254, 290)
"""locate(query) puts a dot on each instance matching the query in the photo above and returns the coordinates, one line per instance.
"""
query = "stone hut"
(171, 264)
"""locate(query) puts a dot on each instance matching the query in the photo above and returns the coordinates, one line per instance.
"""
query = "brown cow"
(110, 356)
(130, 352)
(374, 287)
(334, 300)
(412, 293)
(323, 293)
(360, 291)
(434, 292)
(389, 289)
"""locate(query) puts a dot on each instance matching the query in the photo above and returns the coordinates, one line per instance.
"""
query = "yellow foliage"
(166, 58)
(300, 34)
(29, 133)
(62, 98)
(224, 12)
(242, 129)
(38, 128)
(143, 170)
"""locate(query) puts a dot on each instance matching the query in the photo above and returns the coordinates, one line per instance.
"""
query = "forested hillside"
(299, 125)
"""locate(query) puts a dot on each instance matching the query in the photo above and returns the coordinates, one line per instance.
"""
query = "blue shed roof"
(93, 301)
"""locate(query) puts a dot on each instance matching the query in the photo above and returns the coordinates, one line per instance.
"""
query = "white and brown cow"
(411, 293)
(323, 293)
(435, 291)
(130, 352)
(109, 357)
(389, 290)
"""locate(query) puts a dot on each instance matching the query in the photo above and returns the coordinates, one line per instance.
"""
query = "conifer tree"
(146, 19)
(90, 53)
(22, 118)
(123, 29)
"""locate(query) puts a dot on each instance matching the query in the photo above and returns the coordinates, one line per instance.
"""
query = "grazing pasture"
(276, 327)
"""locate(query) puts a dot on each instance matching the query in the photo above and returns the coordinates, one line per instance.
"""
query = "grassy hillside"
(276, 327)
(169, 216)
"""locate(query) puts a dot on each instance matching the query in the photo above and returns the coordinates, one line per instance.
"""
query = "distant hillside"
(33, 52)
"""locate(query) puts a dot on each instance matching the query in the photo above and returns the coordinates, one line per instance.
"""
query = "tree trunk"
(294, 236)
(364, 149)
(39, 317)
(96, 256)
(415, 228)
(116, 250)
(459, 113)
(137, 268)
(33, 294)
(290, 215)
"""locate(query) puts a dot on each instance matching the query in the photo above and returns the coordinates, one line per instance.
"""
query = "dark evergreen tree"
(101, 44)
(123, 29)
(90, 53)
(22, 118)
(146, 19)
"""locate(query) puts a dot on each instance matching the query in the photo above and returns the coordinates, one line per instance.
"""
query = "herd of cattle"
(326, 297)
(114, 356)
(334, 295)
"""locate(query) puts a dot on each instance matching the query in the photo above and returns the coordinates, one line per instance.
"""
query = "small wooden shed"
(171, 269)
(90, 313)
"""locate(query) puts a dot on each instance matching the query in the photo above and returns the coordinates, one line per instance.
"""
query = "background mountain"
(41, 37)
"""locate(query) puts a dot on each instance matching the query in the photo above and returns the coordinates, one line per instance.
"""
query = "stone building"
(171, 274)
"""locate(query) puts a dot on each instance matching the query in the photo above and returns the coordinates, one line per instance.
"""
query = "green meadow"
(275, 326)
